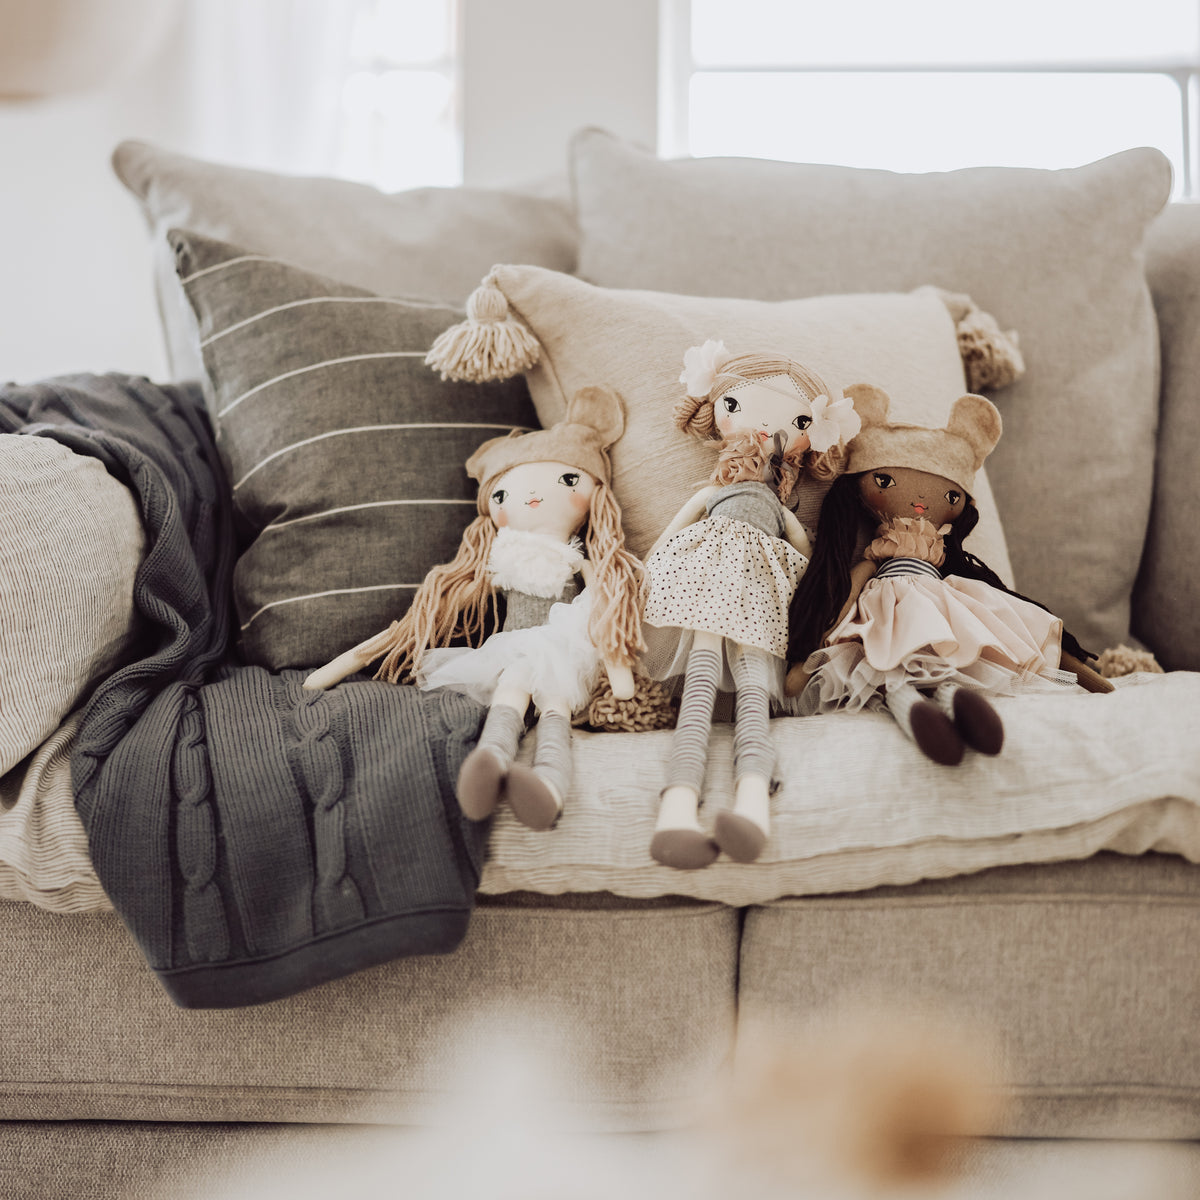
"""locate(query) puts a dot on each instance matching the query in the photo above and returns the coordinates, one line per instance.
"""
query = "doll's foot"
(739, 837)
(796, 680)
(533, 801)
(935, 733)
(683, 849)
(480, 779)
(977, 721)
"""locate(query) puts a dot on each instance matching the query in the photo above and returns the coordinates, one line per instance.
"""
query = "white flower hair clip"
(701, 365)
(832, 423)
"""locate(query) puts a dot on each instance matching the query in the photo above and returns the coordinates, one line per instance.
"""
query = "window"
(931, 84)
(400, 124)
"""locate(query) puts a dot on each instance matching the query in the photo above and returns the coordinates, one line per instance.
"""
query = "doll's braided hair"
(824, 586)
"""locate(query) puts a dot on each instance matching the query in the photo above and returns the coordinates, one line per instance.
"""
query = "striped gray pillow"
(344, 451)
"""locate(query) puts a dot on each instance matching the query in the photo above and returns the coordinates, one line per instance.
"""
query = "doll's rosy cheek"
(580, 502)
(725, 422)
(499, 516)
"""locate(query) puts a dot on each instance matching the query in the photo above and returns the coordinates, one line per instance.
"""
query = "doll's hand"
(620, 679)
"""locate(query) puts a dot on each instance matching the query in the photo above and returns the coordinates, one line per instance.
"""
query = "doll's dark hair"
(824, 586)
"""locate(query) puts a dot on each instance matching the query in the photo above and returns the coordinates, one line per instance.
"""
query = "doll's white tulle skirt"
(556, 661)
(921, 631)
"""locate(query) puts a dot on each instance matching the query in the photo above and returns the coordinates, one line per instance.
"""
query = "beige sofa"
(1071, 938)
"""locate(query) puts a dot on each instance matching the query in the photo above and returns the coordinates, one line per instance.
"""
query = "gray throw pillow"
(1056, 255)
(344, 451)
(429, 243)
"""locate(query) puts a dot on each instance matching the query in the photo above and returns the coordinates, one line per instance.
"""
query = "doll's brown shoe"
(977, 721)
(480, 779)
(683, 849)
(741, 838)
(533, 801)
(935, 733)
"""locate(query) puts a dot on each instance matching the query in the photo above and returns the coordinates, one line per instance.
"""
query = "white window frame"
(677, 66)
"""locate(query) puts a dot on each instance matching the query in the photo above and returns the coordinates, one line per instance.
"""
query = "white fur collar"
(534, 563)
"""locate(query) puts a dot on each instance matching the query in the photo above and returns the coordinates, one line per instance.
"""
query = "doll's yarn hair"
(696, 414)
(457, 602)
(824, 586)
(743, 456)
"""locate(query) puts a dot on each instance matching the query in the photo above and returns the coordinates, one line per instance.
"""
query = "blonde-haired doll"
(547, 524)
(720, 579)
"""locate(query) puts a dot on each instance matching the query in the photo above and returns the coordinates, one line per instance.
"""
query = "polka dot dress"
(728, 577)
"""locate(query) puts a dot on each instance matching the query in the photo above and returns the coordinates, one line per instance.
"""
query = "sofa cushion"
(859, 806)
(1085, 971)
(634, 342)
(70, 546)
(430, 243)
(637, 1001)
(1167, 597)
(1057, 255)
(344, 451)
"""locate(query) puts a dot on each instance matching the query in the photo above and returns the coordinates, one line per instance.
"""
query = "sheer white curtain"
(263, 80)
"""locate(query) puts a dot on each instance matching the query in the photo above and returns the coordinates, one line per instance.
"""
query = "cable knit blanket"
(256, 839)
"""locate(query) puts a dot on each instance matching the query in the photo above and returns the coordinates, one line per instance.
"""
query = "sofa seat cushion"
(1085, 972)
(636, 1001)
(859, 805)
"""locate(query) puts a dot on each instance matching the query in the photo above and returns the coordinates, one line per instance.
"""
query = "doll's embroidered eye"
(731, 405)
(499, 496)
(569, 479)
(883, 481)
(802, 422)
(953, 497)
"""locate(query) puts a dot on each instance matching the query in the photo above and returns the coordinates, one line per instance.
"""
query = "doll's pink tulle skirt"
(922, 631)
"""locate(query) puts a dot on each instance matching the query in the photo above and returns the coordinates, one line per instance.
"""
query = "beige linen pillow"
(634, 342)
(70, 544)
(428, 243)
(1056, 254)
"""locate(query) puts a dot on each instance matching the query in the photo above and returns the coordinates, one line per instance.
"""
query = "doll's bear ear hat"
(955, 451)
(593, 421)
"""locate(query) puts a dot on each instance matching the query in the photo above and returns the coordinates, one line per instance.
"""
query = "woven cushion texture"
(1057, 255)
(344, 451)
(70, 545)
(636, 1001)
(634, 342)
(428, 243)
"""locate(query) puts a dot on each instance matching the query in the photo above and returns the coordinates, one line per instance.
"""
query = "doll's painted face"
(907, 492)
(542, 497)
(763, 407)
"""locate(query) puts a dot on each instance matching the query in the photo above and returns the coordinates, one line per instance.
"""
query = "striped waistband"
(906, 566)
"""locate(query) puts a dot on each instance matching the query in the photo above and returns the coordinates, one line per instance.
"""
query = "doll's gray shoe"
(480, 780)
(683, 849)
(533, 801)
(739, 837)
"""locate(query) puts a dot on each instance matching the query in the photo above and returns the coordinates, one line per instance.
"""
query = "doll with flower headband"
(917, 625)
(548, 538)
(720, 578)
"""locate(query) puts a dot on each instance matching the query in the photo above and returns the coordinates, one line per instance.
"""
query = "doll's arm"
(689, 514)
(794, 532)
(620, 675)
(1089, 678)
(860, 575)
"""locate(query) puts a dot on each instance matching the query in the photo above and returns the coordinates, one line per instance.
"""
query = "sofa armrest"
(1166, 599)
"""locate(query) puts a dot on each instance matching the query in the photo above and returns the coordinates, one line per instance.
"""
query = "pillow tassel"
(991, 356)
(490, 344)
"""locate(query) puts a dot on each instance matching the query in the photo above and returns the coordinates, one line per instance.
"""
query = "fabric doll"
(918, 625)
(721, 575)
(547, 523)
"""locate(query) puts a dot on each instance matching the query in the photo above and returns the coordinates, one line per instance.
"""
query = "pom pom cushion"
(634, 342)
(344, 451)
(429, 243)
(1057, 255)
(70, 545)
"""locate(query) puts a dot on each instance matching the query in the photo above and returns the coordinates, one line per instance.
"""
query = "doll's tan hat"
(956, 451)
(594, 420)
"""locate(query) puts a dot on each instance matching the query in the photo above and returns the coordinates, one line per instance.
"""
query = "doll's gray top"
(749, 501)
(523, 611)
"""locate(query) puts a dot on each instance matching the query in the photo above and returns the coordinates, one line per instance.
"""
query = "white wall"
(75, 289)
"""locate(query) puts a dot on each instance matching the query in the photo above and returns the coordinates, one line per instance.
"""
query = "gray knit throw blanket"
(255, 838)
